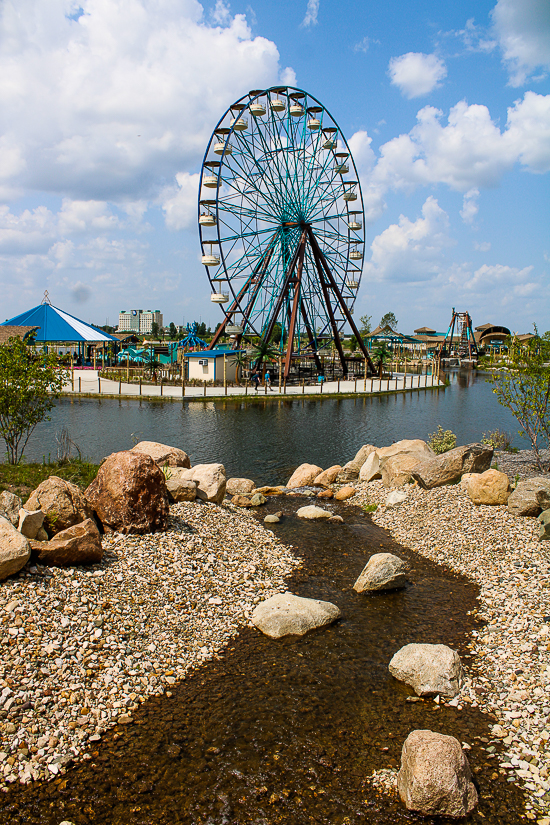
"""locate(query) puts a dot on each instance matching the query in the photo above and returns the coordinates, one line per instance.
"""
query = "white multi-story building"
(139, 320)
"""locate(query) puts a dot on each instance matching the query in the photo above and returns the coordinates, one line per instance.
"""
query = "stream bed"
(289, 731)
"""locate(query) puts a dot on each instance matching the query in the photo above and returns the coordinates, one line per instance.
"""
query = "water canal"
(265, 439)
(289, 731)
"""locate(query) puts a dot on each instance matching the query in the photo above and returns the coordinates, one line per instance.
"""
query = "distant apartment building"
(139, 320)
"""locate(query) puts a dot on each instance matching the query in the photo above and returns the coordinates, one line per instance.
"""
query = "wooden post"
(321, 387)
(338, 390)
(303, 386)
(140, 384)
(225, 373)
(365, 381)
(94, 358)
(79, 384)
(127, 366)
(284, 387)
(99, 385)
(246, 386)
(120, 387)
(355, 383)
(205, 388)
(161, 380)
(72, 374)
(280, 372)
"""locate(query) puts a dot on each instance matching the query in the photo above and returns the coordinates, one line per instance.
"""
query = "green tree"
(365, 325)
(382, 353)
(172, 331)
(155, 331)
(524, 388)
(29, 385)
(353, 344)
(388, 320)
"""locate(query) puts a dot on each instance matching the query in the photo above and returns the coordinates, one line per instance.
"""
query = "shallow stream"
(289, 731)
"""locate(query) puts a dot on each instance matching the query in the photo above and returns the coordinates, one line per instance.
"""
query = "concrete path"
(87, 382)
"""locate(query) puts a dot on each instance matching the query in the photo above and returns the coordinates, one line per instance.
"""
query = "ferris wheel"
(281, 224)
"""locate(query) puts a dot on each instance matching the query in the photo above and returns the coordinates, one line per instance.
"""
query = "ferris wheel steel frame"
(283, 225)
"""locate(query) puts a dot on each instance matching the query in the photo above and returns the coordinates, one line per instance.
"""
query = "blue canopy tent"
(55, 326)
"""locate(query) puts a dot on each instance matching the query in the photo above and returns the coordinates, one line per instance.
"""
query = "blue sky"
(106, 107)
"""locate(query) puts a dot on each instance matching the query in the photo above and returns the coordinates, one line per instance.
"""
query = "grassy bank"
(23, 478)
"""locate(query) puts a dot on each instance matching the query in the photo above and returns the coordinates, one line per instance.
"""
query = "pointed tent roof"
(55, 325)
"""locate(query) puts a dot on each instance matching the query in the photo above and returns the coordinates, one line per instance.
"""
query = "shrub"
(497, 439)
(442, 441)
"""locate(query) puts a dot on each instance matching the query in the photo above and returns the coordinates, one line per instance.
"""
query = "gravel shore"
(502, 554)
(82, 646)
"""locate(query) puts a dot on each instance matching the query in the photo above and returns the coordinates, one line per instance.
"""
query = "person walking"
(256, 380)
(267, 380)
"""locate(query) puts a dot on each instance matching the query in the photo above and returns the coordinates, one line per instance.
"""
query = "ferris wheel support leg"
(343, 305)
(295, 303)
(317, 255)
(311, 337)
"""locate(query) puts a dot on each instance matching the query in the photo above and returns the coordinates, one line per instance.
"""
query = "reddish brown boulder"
(129, 494)
(241, 501)
(163, 454)
(62, 503)
(80, 544)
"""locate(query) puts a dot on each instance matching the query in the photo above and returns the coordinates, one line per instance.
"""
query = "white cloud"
(475, 37)
(529, 131)
(523, 31)
(312, 12)
(110, 105)
(416, 74)
(30, 232)
(499, 276)
(483, 246)
(470, 207)
(411, 251)
(288, 76)
(180, 203)
(82, 216)
(221, 13)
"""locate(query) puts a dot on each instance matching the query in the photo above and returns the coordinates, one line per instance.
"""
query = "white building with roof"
(139, 320)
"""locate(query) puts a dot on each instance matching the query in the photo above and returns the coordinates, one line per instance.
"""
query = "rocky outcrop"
(429, 669)
(304, 475)
(451, 466)
(383, 571)
(344, 493)
(371, 468)
(15, 550)
(312, 512)
(80, 544)
(62, 503)
(491, 487)
(30, 522)
(327, 477)
(435, 777)
(10, 504)
(241, 501)
(180, 489)
(239, 486)
(529, 497)
(289, 615)
(407, 446)
(163, 454)
(129, 494)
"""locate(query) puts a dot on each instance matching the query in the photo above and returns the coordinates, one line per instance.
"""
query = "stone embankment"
(181, 564)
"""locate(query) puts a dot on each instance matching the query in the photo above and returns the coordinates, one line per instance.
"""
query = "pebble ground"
(80, 647)
(501, 552)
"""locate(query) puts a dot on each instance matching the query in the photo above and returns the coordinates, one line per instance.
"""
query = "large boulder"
(62, 503)
(10, 504)
(211, 482)
(451, 466)
(312, 512)
(180, 489)
(429, 669)
(129, 494)
(30, 522)
(371, 468)
(79, 544)
(529, 497)
(544, 529)
(287, 615)
(397, 469)
(351, 470)
(162, 454)
(327, 477)
(435, 777)
(15, 550)
(490, 487)
(304, 475)
(239, 486)
(407, 446)
(383, 571)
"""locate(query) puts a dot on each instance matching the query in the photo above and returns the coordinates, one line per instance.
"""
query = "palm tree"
(382, 353)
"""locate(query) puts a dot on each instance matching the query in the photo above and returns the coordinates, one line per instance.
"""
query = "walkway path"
(87, 382)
